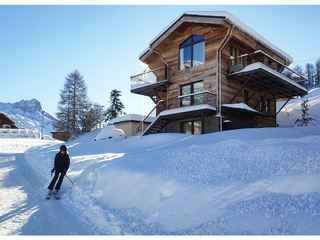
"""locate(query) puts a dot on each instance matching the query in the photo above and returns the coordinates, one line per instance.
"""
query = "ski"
(56, 197)
(48, 196)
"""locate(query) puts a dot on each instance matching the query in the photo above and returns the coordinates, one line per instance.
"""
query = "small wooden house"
(60, 136)
(6, 122)
(210, 72)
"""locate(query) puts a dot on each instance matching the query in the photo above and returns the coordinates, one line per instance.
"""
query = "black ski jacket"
(61, 162)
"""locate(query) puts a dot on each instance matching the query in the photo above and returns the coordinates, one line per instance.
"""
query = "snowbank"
(292, 111)
(250, 181)
(110, 132)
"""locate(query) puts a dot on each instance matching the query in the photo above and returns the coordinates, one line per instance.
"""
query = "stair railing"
(137, 128)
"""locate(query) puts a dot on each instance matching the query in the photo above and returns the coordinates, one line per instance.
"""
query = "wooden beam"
(241, 88)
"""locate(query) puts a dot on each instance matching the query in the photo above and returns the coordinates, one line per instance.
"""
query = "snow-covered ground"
(252, 181)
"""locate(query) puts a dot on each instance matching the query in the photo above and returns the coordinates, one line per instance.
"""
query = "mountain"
(27, 114)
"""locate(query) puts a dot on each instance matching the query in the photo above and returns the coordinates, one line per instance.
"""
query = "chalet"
(210, 72)
(6, 122)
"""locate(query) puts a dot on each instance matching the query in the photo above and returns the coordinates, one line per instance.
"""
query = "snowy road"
(23, 209)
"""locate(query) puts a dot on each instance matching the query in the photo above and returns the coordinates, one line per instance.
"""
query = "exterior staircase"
(155, 126)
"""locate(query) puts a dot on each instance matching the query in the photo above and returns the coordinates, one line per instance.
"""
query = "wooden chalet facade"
(210, 72)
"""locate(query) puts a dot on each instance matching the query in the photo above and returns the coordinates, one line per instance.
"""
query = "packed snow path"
(23, 209)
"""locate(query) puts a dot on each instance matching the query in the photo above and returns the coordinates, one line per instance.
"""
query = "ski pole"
(69, 179)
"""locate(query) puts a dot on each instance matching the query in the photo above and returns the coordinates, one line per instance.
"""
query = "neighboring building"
(60, 136)
(210, 72)
(6, 122)
(130, 123)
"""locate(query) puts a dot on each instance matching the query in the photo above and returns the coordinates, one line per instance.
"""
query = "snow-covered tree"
(74, 104)
(116, 106)
(305, 117)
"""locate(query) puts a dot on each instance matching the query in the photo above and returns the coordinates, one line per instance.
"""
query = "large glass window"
(192, 99)
(192, 52)
(233, 56)
(194, 127)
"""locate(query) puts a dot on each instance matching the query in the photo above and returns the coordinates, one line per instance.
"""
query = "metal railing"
(149, 77)
(237, 64)
(138, 129)
(204, 97)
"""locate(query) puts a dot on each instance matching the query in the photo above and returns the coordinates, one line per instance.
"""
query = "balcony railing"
(149, 77)
(237, 64)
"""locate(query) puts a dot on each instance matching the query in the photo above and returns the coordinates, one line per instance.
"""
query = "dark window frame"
(191, 44)
(191, 91)
(192, 126)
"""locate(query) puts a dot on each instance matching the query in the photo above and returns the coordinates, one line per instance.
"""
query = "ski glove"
(52, 171)
(64, 172)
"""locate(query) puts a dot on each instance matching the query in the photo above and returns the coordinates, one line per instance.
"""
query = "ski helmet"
(63, 148)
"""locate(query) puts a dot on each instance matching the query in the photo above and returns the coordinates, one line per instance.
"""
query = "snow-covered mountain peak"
(27, 114)
(30, 106)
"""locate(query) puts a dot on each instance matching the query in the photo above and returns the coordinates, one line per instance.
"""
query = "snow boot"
(56, 192)
(48, 194)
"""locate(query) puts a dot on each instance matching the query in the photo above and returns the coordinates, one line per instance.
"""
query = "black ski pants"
(55, 178)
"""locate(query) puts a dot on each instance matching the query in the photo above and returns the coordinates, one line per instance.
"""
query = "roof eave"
(213, 18)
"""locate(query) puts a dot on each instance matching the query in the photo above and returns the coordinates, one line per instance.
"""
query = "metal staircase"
(156, 126)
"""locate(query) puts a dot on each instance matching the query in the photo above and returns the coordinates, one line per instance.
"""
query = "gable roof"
(212, 18)
(7, 120)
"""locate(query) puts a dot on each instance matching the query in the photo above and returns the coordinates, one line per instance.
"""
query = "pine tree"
(309, 72)
(317, 72)
(305, 118)
(74, 104)
(116, 106)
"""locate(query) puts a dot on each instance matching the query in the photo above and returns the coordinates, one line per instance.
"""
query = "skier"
(61, 166)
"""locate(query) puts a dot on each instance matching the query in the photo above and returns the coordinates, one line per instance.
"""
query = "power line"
(306, 49)
(306, 60)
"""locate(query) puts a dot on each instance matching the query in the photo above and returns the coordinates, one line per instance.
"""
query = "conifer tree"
(116, 106)
(74, 104)
(305, 118)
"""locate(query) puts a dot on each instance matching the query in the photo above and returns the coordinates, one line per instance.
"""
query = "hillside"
(292, 111)
(28, 114)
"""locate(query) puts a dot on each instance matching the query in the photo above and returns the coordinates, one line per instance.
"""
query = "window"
(241, 60)
(246, 97)
(192, 52)
(194, 127)
(267, 105)
(193, 99)
(261, 103)
(233, 56)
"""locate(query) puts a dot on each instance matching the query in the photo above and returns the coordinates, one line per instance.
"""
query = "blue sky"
(41, 45)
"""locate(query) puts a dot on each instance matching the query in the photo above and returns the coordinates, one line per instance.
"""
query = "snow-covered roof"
(186, 109)
(259, 65)
(131, 118)
(242, 106)
(222, 16)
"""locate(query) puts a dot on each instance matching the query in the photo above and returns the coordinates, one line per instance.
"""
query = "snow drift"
(109, 132)
(220, 183)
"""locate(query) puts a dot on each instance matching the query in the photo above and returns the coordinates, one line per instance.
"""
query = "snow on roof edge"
(258, 65)
(232, 20)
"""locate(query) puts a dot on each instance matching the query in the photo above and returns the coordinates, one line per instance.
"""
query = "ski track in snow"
(23, 208)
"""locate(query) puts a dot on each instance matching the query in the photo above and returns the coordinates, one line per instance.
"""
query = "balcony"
(262, 73)
(239, 63)
(145, 82)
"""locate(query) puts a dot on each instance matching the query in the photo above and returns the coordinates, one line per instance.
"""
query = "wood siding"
(208, 73)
